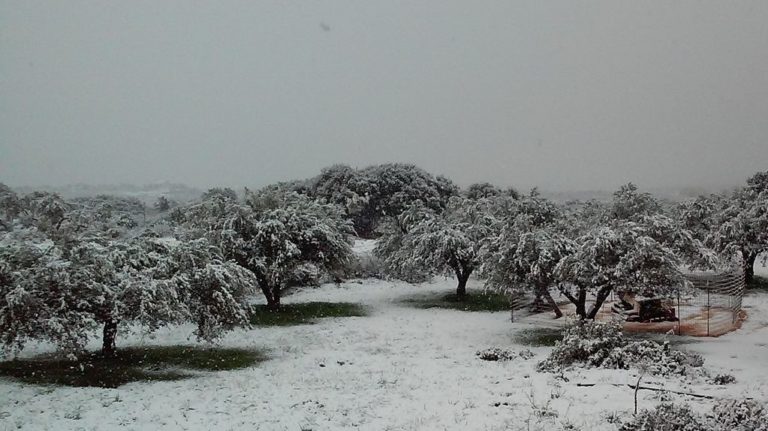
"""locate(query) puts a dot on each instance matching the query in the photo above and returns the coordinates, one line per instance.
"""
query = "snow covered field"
(398, 369)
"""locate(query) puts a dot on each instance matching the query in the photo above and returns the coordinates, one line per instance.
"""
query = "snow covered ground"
(398, 369)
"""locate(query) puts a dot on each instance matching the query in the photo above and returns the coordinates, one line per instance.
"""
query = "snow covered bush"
(495, 354)
(584, 343)
(499, 354)
(723, 379)
(667, 417)
(603, 345)
(740, 415)
(731, 415)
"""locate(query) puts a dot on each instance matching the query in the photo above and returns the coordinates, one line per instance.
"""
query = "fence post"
(709, 309)
(679, 316)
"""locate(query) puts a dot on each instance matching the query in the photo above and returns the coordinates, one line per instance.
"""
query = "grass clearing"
(304, 313)
(131, 364)
(539, 337)
(758, 283)
(473, 301)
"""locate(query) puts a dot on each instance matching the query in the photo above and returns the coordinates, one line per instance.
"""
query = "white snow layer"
(397, 369)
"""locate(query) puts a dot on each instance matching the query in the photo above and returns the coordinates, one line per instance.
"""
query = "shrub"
(723, 379)
(498, 354)
(584, 342)
(603, 345)
(732, 415)
(741, 415)
(667, 417)
(495, 354)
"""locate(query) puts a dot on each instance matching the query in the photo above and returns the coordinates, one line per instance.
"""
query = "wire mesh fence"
(708, 304)
(712, 304)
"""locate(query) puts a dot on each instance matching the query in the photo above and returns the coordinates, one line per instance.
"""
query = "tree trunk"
(749, 266)
(461, 289)
(273, 300)
(570, 297)
(602, 295)
(581, 301)
(271, 293)
(551, 301)
(108, 340)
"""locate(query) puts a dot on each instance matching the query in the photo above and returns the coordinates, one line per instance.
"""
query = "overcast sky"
(567, 95)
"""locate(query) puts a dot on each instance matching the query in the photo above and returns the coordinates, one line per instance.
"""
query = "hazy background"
(563, 94)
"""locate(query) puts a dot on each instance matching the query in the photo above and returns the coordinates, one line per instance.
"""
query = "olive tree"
(527, 242)
(62, 292)
(273, 236)
(447, 243)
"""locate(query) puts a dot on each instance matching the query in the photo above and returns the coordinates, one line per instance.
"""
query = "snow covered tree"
(216, 291)
(482, 191)
(375, 193)
(621, 256)
(446, 189)
(10, 206)
(275, 236)
(682, 234)
(631, 247)
(62, 293)
(162, 204)
(398, 185)
(699, 215)
(447, 243)
(519, 258)
(758, 182)
(741, 225)
(108, 206)
(534, 210)
(224, 193)
(46, 211)
(105, 216)
(488, 190)
(526, 246)
(70, 267)
(629, 204)
(390, 244)
(343, 186)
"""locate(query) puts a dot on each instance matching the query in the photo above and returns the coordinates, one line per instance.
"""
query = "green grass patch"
(472, 301)
(132, 364)
(758, 283)
(539, 337)
(304, 313)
